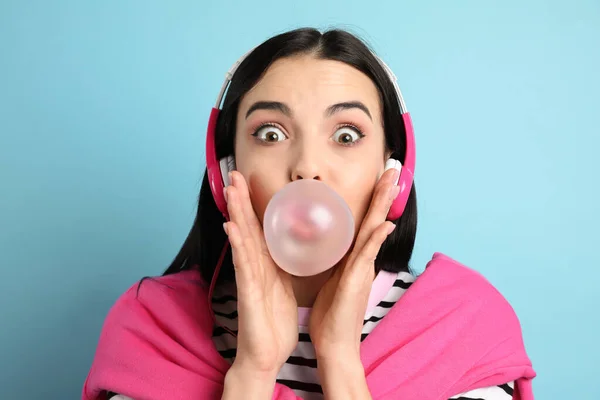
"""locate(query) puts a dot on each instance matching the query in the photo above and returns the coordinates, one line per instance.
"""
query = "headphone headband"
(229, 76)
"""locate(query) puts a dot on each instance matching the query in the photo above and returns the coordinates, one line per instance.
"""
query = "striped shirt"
(300, 370)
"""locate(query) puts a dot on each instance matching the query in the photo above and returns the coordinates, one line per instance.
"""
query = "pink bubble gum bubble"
(308, 227)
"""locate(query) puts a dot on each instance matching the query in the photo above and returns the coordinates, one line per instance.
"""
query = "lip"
(300, 225)
(302, 231)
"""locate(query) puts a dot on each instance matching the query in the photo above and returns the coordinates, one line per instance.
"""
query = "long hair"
(206, 239)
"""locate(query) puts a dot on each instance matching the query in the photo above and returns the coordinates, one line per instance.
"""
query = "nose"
(305, 173)
(306, 165)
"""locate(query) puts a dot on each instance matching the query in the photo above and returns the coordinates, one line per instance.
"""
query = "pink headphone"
(218, 170)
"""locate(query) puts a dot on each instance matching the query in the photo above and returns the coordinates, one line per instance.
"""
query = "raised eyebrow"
(286, 110)
(346, 105)
(270, 105)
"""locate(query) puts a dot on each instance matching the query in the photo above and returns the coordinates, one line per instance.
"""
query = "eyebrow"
(284, 109)
(348, 105)
(269, 105)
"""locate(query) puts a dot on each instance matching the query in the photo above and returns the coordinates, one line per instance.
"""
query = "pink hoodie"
(450, 333)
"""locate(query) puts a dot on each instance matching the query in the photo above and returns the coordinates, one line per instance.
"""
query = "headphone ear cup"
(393, 163)
(399, 203)
(231, 163)
(226, 164)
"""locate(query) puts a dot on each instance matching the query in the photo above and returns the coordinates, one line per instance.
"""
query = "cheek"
(262, 189)
(358, 195)
(263, 178)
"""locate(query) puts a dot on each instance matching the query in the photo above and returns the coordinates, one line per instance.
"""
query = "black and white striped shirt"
(300, 370)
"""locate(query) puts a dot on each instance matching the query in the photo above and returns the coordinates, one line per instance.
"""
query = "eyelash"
(356, 129)
(264, 125)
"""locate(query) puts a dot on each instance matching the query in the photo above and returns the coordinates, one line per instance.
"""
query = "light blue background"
(103, 108)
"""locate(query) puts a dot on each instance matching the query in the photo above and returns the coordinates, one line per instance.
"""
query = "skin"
(306, 138)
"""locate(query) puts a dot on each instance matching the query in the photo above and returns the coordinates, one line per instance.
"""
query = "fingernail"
(394, 192)
(225, 193)
(230, 175)
(225, 228)
(391, 228)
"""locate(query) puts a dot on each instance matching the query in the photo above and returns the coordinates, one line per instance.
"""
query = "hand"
(338, 313)
(267, 309)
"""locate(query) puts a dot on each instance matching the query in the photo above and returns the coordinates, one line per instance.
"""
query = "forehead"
(304, 78)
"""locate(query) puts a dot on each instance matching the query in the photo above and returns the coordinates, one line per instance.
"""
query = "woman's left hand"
(338, 313)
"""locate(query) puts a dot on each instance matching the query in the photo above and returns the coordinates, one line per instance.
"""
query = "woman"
(310, 105)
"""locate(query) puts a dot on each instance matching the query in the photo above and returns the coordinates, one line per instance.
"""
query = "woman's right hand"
(267, 308)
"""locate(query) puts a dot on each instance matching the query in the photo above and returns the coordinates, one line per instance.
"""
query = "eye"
(348, 135)
(269, 133)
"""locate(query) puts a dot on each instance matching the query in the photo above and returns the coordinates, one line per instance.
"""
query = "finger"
(238, 251)
(236, 213)
(254, 225)
(366, 256)
(248, 238)
(243, 263)
(244, 194)
(384, 194)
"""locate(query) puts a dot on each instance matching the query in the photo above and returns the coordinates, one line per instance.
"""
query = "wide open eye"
(347, 135)
(270, 134)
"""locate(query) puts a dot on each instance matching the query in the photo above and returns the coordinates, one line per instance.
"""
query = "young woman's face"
(311, 119)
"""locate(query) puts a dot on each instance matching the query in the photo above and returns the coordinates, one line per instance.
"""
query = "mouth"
(302, 231)
(301, 225)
